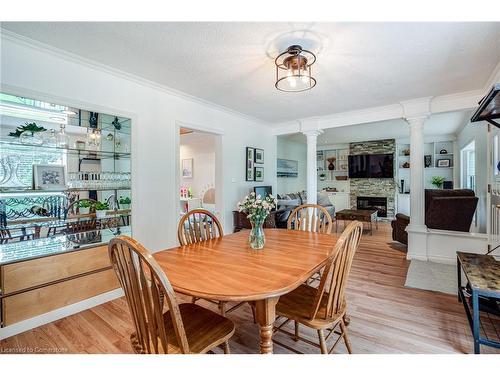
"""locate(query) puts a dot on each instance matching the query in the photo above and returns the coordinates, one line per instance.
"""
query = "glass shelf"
(23, 250)
(42, 221)
(48, 192)
(71, 150)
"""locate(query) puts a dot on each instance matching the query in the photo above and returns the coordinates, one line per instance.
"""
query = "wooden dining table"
(228, 269)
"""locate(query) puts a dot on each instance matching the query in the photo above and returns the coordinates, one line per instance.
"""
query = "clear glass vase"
(256, 238)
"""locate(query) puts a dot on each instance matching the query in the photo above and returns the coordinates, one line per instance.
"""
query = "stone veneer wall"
(374, 187)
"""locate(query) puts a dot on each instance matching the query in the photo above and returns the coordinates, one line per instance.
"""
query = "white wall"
(34, 71)
(476, 132)
(201, 148)
(293, 151)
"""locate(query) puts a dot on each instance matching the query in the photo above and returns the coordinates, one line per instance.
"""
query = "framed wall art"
(259, 156)
(443, 163)
(259, 174)
(249, 162)
(187, 168)
(49, 177)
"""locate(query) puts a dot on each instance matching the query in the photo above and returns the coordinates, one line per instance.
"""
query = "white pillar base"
(417, 242)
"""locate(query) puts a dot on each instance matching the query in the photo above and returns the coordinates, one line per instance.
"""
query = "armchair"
(444, 209)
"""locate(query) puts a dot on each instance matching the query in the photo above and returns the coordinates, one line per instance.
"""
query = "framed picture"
(259, 156)
(427, 161)
(187, 168)
(442, 163)
(49, 177)
(249, 163)
(259, 174)
(287, 168)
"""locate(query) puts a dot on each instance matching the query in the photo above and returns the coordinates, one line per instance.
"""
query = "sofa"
(287, 202)
(451, 209)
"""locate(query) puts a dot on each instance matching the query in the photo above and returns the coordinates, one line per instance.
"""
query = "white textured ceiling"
(438, 124)
(359, 65)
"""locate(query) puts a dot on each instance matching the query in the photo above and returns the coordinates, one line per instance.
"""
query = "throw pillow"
(323, 199)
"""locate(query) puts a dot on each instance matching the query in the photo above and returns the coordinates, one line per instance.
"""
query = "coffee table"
(367, 216)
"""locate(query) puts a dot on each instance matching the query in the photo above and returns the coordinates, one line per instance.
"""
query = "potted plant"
(437, 181)
(124, 203)
(29, 133)
(100, 209)
(257, 209)
(84, 206)
(322, 176)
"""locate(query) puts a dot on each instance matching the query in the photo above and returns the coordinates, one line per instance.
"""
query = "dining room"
(154, 206)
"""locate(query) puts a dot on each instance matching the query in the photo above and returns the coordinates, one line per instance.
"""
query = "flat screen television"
(263, 191)
(371, 166)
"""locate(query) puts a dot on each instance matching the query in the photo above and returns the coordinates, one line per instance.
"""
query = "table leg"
(475, 321)
(265, 311)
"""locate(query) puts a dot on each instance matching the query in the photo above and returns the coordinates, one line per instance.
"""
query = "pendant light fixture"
(293, 70)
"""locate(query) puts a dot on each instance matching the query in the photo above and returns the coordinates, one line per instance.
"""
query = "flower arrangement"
(257, 209)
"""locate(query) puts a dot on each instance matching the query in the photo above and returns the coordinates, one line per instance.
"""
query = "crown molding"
(289, 127)
(461, 101)
(493, 78)
(361, 116)
(74, 58)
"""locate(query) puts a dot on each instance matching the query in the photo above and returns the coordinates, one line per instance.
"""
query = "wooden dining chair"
(198, 225)
(201, 225)
(325, 307)
(185, 328)
(311, 218)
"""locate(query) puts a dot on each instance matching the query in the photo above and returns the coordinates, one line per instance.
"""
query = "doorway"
(199, 171)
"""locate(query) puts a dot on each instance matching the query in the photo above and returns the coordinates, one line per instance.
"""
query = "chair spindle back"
(334, 279)
(310, 218)
(143, 281)
(198, 225)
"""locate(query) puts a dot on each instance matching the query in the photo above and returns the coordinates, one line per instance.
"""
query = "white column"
(417, 214)
(312, 176)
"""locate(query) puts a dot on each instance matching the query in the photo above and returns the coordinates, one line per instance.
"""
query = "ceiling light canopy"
(293, 70)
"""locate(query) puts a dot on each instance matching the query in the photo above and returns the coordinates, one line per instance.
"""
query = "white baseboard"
(443, 260)
(57, 314)
(416, 257)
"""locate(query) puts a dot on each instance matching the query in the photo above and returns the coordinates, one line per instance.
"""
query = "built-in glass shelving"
(53, 198)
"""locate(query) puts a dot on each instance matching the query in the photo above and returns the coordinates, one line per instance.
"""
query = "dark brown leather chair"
(450, 209)
(399, 228)
(444, 209)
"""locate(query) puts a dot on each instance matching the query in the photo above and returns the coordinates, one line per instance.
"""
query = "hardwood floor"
(385, 316)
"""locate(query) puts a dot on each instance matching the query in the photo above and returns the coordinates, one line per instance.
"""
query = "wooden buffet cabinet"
(36, 286)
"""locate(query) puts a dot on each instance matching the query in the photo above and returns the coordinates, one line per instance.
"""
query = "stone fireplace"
(374, 187)
(373, 203)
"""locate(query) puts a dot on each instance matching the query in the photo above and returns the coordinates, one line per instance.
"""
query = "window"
(468, 157)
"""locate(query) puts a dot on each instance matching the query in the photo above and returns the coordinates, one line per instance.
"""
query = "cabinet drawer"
(42, 300)
(30, 273)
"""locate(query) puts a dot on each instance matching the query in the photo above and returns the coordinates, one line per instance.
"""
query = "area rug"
(437, 277)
